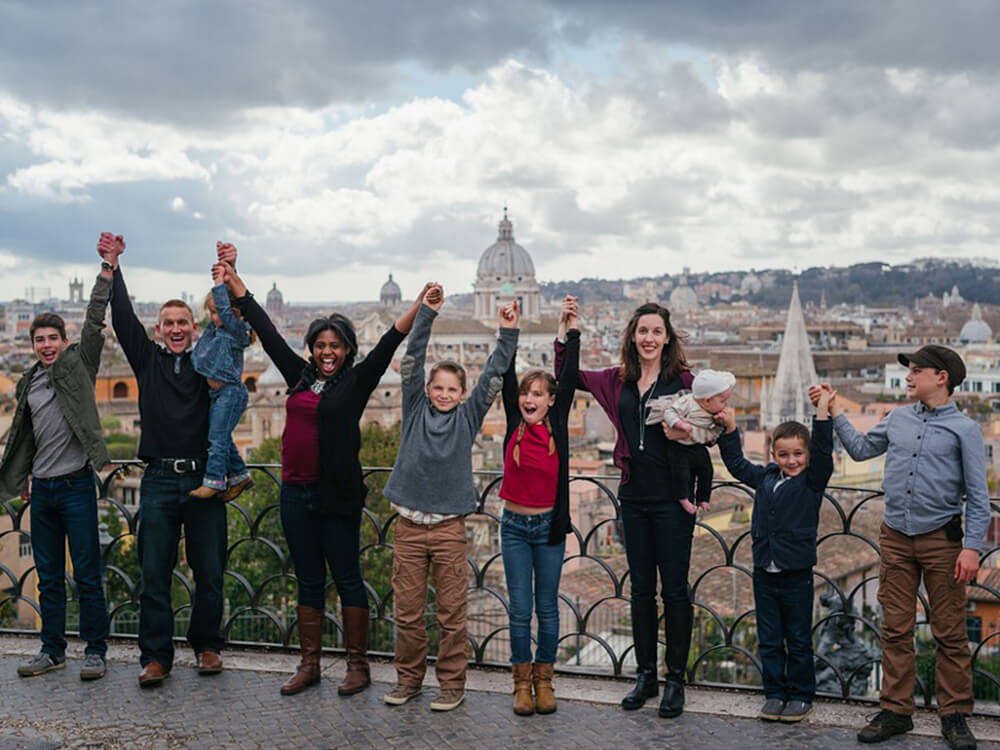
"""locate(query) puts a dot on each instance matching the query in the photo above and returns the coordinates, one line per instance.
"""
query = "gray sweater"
(433, 470)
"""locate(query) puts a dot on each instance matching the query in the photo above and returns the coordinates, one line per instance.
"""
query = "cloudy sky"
(335, 142)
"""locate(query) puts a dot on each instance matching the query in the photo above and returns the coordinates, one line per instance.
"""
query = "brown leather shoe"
(545, 697)
(153, 674)
(311, 645)
(205, 492)
(524, 703)
(209, 662)
(237, 489)
(358, 676)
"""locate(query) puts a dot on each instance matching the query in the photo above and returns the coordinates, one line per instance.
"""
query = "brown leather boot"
(311, 643)
(524, 704)
(545, 696)
(356, 640)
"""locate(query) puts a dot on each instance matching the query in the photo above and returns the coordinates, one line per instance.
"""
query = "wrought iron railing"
(595, 636)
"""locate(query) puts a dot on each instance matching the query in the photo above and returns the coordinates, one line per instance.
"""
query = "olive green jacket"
(73, 377)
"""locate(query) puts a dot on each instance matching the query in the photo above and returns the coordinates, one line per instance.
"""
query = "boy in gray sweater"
(431, 488)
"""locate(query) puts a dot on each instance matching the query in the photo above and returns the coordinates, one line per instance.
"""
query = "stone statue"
(840, 645)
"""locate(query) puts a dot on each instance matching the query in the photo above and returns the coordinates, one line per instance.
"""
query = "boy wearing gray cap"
(934, 454)
(695, 414)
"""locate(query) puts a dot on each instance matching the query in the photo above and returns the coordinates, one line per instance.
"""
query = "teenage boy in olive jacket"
(55, 438)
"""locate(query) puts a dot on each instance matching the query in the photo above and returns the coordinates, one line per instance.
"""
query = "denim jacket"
(218, 355)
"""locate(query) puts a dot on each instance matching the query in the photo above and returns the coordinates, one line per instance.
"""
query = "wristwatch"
(105, 266)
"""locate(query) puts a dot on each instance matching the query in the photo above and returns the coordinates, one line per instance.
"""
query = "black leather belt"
(178, 465)
(81, 472)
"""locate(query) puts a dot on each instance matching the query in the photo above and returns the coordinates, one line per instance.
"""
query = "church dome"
(683, 299)
(390, 293)
(275, 299)
(976, 330)
(505, 259)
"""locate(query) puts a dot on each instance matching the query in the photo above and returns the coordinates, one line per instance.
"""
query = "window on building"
(251, 384)
(974, 627)
(24, 547)
(120, 390)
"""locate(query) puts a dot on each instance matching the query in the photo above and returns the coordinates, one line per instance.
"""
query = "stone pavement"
(241, 708)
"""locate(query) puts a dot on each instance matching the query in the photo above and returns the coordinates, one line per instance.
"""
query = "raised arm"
(820, 467)
(92, 336)
(860, 445)
(411, 367)
(508, 393)
(289, 364)
(377, 361)
(230, 323)
(405, 321)
(749, 473)
(569, 364)
(490, 379)
(128, 329)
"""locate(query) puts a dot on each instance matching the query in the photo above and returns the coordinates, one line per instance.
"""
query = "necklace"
(317, 386)
(643, 400)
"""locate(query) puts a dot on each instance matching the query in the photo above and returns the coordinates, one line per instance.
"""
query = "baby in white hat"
(694, 413)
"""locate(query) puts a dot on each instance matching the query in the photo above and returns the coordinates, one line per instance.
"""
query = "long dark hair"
(672, 361)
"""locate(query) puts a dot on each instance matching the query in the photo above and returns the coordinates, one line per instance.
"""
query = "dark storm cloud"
(192, 61)
(810, 35)
(188, 61)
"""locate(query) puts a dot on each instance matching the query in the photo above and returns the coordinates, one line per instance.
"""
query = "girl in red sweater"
(535, 491)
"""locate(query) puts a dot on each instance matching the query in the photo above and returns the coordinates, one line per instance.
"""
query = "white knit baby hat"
(707, 383)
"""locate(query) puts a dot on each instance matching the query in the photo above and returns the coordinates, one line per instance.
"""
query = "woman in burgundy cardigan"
(658, 531)
(322, 491)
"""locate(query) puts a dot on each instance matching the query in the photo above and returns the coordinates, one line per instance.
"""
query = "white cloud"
(791, 169)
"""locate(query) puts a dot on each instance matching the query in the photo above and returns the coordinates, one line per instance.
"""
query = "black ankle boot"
(672, 702)
(678, 618)
(645, 687)
(644, 640)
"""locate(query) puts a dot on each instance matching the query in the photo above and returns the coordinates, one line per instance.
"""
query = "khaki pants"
(443, 547)
(904, 560)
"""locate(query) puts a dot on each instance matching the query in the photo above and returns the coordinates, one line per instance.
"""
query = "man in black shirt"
(173, 409)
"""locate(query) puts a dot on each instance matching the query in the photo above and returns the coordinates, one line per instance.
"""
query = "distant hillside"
(875, 284)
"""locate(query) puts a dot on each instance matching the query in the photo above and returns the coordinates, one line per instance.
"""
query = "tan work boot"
(311, 644)
(524, 704)
(545, 696)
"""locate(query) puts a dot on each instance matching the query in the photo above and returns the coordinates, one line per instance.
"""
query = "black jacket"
(173, 398)
(786, 519)
(340, 408)
(558, 419)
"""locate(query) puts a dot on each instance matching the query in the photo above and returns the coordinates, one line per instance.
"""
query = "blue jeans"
(658, 537)
(61, 510)
(316, 541)
(227, 406)
(784, 607)
(164, 508)
(529, 558)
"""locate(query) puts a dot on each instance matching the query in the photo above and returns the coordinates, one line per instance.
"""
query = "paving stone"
(243, 709)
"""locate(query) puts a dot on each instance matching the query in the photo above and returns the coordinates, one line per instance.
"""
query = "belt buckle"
(179, 465)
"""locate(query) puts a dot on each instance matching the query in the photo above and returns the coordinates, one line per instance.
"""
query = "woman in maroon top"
(658, 530)
(322, 490)
(535, 491)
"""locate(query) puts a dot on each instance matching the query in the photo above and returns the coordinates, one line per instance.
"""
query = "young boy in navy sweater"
(787, 497)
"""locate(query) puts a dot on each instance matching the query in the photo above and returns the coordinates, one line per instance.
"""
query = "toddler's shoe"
(204, 492)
